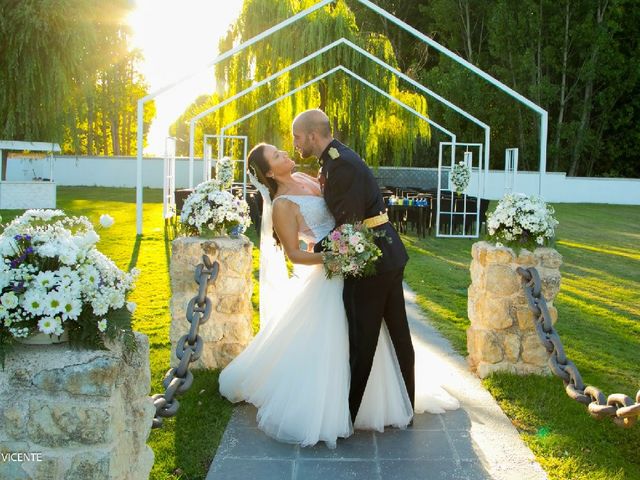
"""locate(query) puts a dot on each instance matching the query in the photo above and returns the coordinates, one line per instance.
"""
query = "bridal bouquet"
(210, 211)
(54, 279)
(351, 251)
(519, 220)
(460, 176)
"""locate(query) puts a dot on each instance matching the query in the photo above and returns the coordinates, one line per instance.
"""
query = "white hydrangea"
(212, 211)
(224, 172)
(522, 219)
(460, 176)
(106, 220)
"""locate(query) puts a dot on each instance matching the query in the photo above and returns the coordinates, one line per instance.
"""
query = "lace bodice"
(318, 218)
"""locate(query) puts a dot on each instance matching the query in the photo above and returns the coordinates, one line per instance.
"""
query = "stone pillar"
(502, 334)
(73, 414)
(229, 328)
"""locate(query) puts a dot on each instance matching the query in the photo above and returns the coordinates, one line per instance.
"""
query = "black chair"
(484, 206)
(179, 196)
(398, 217)
(445, 217)
(254, 200)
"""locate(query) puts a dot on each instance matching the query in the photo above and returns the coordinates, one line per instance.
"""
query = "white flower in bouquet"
(521, 220)
(210, 211)
(460, 176)
(52, 278)
(224, 172)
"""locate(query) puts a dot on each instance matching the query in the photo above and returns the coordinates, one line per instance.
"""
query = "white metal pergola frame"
(169, 183)
(395, 100)
(544, 117)
(350, 73)
(321, 51)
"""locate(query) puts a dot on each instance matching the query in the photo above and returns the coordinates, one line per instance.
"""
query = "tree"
(374, 126)
(576, 58)
(67, 75)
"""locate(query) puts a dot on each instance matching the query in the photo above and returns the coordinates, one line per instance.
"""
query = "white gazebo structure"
(372, 6)
(319, 52)
(23, 193)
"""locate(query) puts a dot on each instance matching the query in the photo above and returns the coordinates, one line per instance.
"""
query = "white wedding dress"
(296, 369)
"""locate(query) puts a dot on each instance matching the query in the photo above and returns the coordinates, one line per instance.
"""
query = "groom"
(352, 195)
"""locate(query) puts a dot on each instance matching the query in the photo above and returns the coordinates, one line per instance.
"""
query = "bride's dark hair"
(260, 167)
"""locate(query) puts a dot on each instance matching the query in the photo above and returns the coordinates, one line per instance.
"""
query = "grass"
(186, 444)
(599, 322)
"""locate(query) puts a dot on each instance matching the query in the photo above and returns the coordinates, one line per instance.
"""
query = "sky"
(177, 38)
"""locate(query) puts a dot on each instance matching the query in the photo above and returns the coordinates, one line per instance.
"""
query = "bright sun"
(178, 37)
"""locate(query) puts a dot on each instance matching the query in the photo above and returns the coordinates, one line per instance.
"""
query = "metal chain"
(189, 347)
(618, 406)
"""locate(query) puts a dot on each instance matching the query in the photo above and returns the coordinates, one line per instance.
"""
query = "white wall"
(103, 171)
(121, 172)
(558, 188)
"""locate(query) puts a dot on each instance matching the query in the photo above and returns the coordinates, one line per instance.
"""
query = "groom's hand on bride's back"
(319, 247)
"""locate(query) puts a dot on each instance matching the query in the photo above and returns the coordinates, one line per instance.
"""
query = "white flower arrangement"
(224, 172)
(53, 278)
(460, 176)
(210, 211)
(520, 220)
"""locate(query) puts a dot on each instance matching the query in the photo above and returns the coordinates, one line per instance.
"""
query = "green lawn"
(185, 446)
(599, 322)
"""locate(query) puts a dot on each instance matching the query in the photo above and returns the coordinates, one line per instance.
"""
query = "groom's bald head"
(313, 121)
(311, 133)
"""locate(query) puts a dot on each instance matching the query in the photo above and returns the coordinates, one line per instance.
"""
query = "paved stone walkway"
(476, 442)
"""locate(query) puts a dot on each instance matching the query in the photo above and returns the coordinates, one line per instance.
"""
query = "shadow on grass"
(170, 232)
(135, 253)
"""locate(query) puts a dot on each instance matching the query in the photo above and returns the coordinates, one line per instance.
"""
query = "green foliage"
(382, 131)
(68, 76)
(576, 59)
(598, 321)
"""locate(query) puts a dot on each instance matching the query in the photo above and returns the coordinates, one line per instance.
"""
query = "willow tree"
(380, 130)
(67, 75)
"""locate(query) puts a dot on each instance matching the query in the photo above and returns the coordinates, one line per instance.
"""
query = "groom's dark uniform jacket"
(352, 195)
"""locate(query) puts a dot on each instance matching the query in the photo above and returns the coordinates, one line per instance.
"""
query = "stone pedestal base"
(502, 335)
(75, 414)
(229, 329)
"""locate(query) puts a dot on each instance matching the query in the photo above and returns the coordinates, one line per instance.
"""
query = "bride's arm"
(285, 224)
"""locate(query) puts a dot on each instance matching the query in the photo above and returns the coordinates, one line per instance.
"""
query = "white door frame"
(221, 137)
(169, 184)
(481, 179)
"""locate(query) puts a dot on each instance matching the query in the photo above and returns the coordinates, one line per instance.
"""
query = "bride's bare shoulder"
(282, 203)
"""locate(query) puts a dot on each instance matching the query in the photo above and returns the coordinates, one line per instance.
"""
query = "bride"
(296, 369)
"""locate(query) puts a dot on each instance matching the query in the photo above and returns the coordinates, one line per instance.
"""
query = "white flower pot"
(44, 339)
